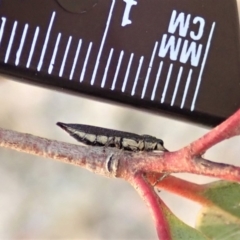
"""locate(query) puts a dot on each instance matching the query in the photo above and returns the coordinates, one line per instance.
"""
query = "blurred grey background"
(45, 199)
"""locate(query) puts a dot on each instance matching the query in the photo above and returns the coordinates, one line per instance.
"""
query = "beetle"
(97, 136)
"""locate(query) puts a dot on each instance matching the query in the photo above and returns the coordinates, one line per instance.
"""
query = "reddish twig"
(189, 190)
(130, 166)
(93, 159)
(112, 162)
(154, 204)
(227, 129)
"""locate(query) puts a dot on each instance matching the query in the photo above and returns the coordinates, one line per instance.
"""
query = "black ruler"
(174, 57)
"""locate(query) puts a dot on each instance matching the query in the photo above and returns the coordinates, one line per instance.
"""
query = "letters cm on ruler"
(176, 48)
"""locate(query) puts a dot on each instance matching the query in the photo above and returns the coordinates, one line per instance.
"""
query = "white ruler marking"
(86, 62)
(177, 85)
(19, 52)
(32, 47)
(157, 80)
(186, 88)
(102, 43)
(127, 73)
(10, 42)
(75, 59)
(202, 67)
(65, 56)
(167, 83)
(117, 70)
(2, 28)
(46, 42)
(137, 75)
(51, 65)
(149, 70)
(106, 68)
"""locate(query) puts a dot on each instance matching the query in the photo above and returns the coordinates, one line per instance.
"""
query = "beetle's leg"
(108, 143)
(161, 178)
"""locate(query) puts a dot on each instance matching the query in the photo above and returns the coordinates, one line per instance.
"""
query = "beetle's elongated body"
(97, 136)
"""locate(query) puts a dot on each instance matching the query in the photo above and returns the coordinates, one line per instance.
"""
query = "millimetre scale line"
(75, 59)
(186, 88)
(149, 70)
(117, 70)
(86, 61)
(137, 75)
(51, 65)
(2, 28)
(46, 42)
(167, 83)
(106, 69)
(202, 67)
(10, 42)
(102, 43)
(127, 73)
(32, 47)
(65, 56)
(177, 85)
(19, 52)
(157, 80)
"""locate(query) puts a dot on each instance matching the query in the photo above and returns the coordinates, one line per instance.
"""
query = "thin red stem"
(179, 187)
(182, 161)
(154, 203)
(227, 129)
